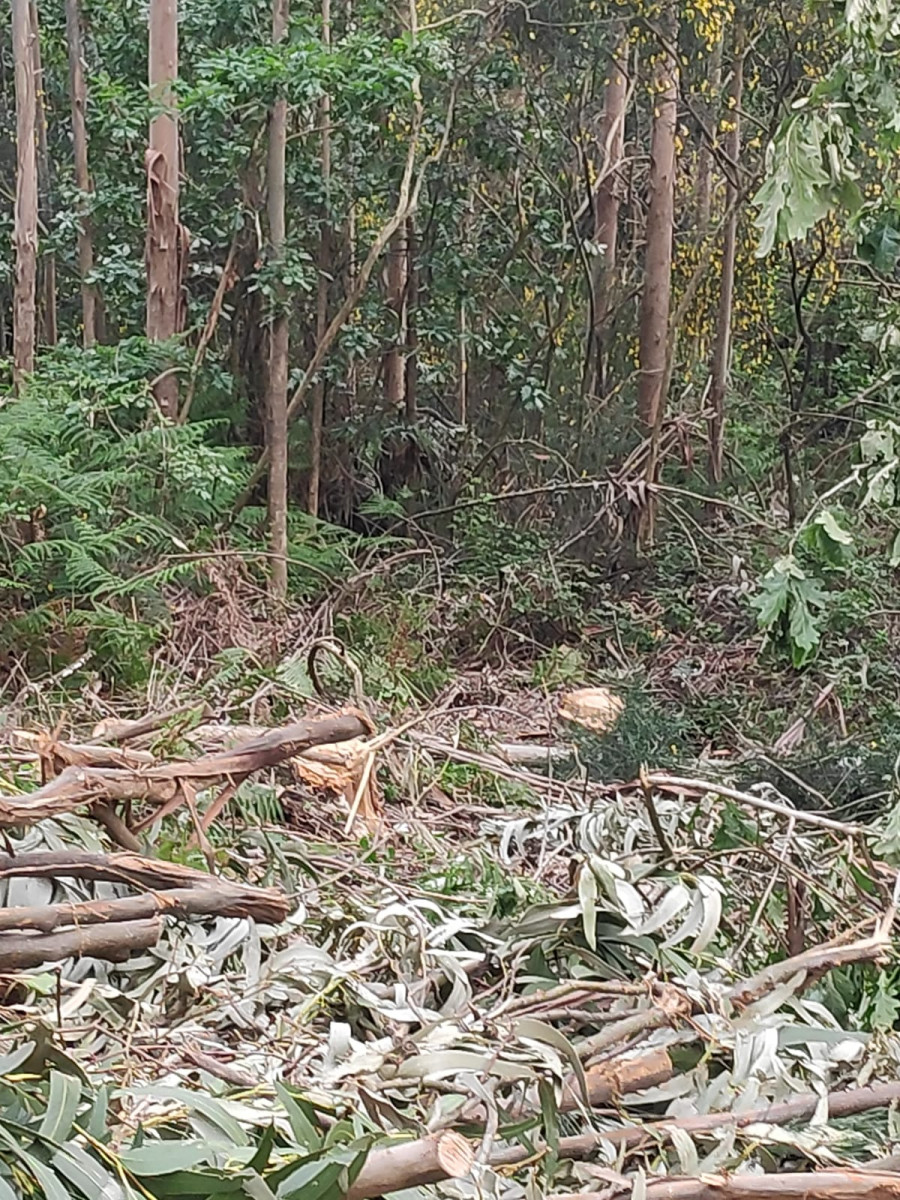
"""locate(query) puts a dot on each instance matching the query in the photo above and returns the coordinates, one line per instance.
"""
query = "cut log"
(115, 943)
(412, 1164)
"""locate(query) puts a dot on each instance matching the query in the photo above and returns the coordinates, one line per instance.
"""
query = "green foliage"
(102, 504)
(59, 1138)
(790, 608)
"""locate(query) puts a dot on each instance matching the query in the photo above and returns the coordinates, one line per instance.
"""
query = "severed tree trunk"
(317, 408)
(26, 218)
(78, 100)
(656, 298)
(721, 353)
(395, 278)
(47, 264)
(163, 249)
(608, 198)
(277, 381)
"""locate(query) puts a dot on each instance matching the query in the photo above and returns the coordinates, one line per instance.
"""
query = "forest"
(449, 623)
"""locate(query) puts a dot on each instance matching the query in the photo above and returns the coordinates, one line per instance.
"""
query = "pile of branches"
(661, 1025)
(126, 790)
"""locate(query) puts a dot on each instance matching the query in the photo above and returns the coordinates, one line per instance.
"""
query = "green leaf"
(881, 247)
(772, 600)
(540, 1031)
(62, 1105)
(165, 1157)
(885, 1006)
(87, 1174)
(587, 897)
(301, 1115)
(213, 1110)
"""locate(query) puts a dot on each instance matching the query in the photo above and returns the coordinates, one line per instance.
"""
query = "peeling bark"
(164, 248)
(78, 101)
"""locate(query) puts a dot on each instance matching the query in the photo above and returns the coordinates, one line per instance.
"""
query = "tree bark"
(656, 298)
(78, 100)
(395, 279)
(26, 216)
(163, 880)
(20, 952)
(47, 264)
(411, 373)
(162, 785)
(721, 354)
(840, 1104)
(831, 1184)
(179, 902)
(412, 1164)
(704, 154)
(317, 407)
(607, 200)
(163, 248)
(277, 384)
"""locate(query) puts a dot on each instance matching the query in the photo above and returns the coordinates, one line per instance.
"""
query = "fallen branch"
(609, 1081)
(178, 902)
(840, 1104)
(805, 1185)
(671, 1007)
(162, 785)
(19, 952)
(703, 786)
(412, 1164)
(116, 729)
(267, 905)
(812, 964)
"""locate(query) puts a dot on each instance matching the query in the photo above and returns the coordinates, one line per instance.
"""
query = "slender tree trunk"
(26, 218)
(317, 409)
(46, 264)
(656, 298)
(704, 155)
(411, 379)
(607, 200)
(163, 251)
(721, 354)
(78, 100)
(394, 372)
(463, 381)
(277, 382)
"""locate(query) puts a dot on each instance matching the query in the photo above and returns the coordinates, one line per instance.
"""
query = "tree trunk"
(655, 301)
(317, 410)
(78, 99)
(395, 276)
(607, 200)
(26, 218)
(47, 264)
(277, 382)
(163, 252)
(722, 344)
(704, 155)
(411, 378)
